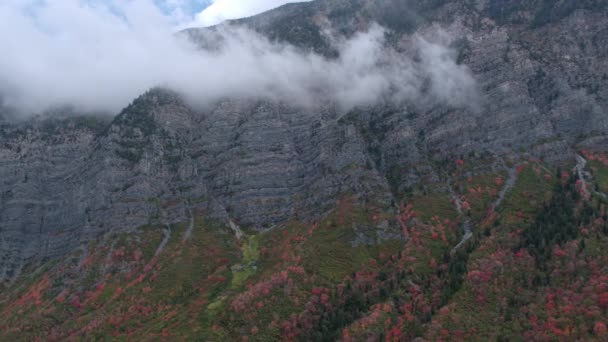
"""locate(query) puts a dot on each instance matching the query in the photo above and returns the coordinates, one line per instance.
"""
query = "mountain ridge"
(549, 109)
(173, 221)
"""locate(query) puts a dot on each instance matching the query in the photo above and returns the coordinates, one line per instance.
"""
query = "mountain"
(262, 220)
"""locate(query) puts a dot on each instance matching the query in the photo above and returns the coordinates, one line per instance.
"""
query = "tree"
(599, 329)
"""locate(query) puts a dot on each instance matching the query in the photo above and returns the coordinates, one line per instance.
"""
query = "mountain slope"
(259, 219)
(312, 281)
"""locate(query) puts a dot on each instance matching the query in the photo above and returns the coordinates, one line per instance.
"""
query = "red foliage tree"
(603, 300)
(599, 329)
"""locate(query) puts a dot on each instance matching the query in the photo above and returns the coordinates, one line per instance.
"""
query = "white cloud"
(94, 54)
(222, 10)
(99, 57)
(182, 12)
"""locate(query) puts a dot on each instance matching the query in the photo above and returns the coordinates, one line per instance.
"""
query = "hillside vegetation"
(534, 269)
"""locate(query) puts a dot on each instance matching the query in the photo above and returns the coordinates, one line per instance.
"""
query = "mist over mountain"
(330, 170)
(97, 60)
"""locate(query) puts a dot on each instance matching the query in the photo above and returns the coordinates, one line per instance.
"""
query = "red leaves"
(599, 329)
(76, 303)
(394, 334)
(459, 162)
(477, 276)
(280, 279)
(290, 331)
(137, 255)
(559, 252)
(466, 205)
(521, 253)
(169, 316)
(405, 215)
(593, 156)
(445, 333)
(299, 270)
(115, 321)
(35, 292)
(533, 320)
(254, 330)
(87, 261)
(603, 300)
(137, 280)
(94, 295)
(313, 229)
(62, 296)
(220, 279)
(499, 181)
(119, 254)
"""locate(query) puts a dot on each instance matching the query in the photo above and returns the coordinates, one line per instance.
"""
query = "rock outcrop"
(541, 72)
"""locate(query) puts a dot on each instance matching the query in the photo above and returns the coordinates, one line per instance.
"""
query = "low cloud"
(221, 10)
(98, 58)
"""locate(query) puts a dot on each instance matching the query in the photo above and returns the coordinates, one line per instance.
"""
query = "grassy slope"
(327, 280)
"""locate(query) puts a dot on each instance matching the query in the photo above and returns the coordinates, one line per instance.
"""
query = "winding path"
(581, 163)
(509, 183)
(467, 225)
(161, 247)
(188, 232)
(236, 229)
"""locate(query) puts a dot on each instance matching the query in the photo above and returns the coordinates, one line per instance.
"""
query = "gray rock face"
(542, 73)
(39, 214)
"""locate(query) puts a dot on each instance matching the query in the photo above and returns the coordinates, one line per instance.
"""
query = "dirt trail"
(509, 184)
(188, 232)
(161, 247)
(467, 226)
(108, 260)
(581, 163)
(236, 229)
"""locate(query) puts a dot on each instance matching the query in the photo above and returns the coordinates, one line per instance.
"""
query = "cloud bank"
(100, 57)
(221, 10)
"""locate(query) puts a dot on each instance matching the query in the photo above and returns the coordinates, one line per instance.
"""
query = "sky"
(220, 10)
(99, 55)
(191, 13)
(211, 12)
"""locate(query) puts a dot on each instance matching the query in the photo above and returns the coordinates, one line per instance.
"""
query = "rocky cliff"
(541, 68)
